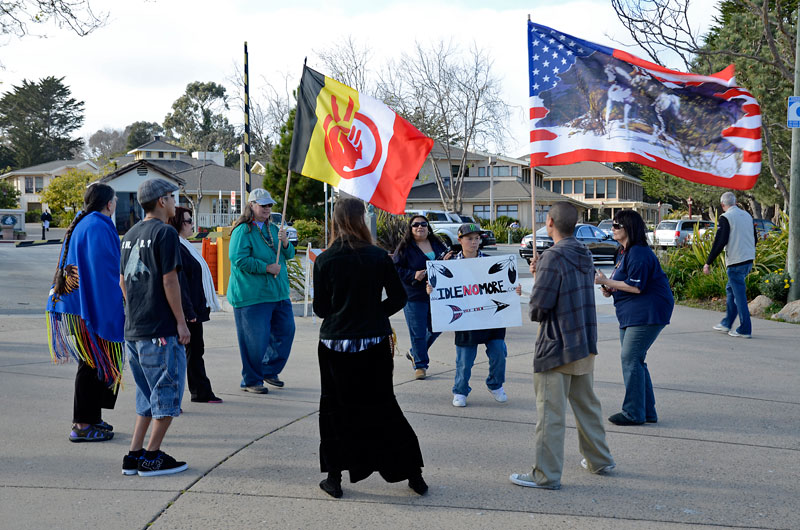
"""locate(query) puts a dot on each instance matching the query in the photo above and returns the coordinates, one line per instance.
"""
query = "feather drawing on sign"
(458, 312)
(510, 263)
(441, 269)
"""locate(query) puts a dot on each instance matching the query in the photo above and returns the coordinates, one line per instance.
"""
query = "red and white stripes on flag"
(591, 102)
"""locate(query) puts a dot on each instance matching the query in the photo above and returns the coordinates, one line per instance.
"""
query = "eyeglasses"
(423, 224)
(617, 226)
(187, 221)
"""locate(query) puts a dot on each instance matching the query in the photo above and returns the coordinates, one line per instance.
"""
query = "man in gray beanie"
(155, 327)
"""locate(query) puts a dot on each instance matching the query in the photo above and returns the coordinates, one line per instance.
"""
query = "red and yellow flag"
(355, 143)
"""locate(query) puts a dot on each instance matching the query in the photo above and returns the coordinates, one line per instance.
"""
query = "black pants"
(91, 395)
(199, 385)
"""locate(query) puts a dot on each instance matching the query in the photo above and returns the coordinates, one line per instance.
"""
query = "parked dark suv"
(600, 244)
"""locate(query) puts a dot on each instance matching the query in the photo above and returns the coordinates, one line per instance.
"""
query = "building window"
(567, 186)
(514, 171)
(611, 190)
(161, 154)
(538, 179)
(148, 154)
(546, 185)
(541, 213)
(579, 186)
(601, 189)
(589, 189)
(173, 155)
(217, 207)
(28, 184)
(501, 171)
(510, 210)
(481, 210)
(556, 186)
(454, 170)
(481, 171)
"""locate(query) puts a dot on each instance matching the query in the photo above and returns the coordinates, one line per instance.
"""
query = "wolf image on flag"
(355, 143)
(590, 102)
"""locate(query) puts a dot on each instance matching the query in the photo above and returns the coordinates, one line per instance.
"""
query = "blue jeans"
(465, 358)
(640, 402)
(265, 332)
(418, 318)
(737, 298)
(159, 371)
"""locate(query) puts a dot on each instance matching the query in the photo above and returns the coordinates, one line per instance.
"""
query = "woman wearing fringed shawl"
(85, 315)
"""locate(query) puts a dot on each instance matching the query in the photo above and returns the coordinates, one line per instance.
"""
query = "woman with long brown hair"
(85, 315)
(198, 300)
(259, 293)
(362, 428)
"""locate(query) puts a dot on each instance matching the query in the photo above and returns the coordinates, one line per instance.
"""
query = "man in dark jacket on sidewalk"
(562, 302)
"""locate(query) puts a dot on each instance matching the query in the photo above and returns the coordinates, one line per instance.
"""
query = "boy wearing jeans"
(155, 328)
(469, 236)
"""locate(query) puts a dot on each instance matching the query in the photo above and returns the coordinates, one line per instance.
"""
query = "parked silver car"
(677, 232)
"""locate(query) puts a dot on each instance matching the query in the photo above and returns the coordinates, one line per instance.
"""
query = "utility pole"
(793, 254)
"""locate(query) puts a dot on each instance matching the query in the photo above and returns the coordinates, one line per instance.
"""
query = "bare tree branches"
(454, 98)
(17, 15)
(347, 62)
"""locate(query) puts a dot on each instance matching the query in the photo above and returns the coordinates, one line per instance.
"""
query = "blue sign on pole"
(793, 113)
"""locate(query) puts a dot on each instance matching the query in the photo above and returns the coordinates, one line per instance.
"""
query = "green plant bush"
(391, 229)
(33, 216)
(683, 266)
(501, 229)
(775, 285)
(310, 231)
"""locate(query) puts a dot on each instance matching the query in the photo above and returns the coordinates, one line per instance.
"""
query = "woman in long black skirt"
(362, 428)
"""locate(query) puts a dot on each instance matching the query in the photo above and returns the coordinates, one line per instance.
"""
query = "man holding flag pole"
(591, 102)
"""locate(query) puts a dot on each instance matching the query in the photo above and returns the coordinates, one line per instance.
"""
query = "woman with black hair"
(643, 302)
(85, 315)
(418, 246)
(362, 429)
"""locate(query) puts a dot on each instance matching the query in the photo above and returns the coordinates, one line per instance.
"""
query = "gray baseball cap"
(152, 189)
(468, 228)
(261, 196)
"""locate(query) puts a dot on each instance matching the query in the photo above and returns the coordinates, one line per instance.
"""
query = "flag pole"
(533, 198)
(286, 197)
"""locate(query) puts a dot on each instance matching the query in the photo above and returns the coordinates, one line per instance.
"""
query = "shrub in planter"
(391, 229)
(775, 285)
(309, 230)
(33, 216)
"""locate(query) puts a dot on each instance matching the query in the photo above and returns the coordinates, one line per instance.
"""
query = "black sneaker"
(274, 381)
(162, 464)
(130, 462)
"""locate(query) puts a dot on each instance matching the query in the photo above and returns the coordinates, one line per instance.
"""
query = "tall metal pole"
(793, 255)
(492, 161)
(246, 122)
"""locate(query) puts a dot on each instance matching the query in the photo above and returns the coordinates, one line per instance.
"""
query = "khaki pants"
(553, 389)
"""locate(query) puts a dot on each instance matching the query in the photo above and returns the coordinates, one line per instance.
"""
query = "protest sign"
(475, 293)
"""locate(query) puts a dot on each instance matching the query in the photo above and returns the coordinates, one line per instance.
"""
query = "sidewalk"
(724, 453)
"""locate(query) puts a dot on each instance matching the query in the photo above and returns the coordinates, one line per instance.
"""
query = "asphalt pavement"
(724, 453)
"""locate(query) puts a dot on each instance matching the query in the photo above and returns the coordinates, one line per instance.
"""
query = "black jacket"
(193, 298)
(348, 287)
(410, 260)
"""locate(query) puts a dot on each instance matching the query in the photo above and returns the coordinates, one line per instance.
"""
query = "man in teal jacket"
(259, 293)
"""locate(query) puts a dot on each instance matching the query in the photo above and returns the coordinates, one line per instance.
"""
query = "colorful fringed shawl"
(87, 322)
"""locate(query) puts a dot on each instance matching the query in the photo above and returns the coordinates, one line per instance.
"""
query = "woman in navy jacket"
(418, 246)
(643, 302)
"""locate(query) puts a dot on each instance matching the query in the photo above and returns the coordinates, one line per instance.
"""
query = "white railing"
(210, 220)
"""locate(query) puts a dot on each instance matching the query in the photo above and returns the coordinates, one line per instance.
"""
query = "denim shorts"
(159, 371)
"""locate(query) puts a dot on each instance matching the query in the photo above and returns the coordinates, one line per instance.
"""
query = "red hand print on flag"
(344, 145)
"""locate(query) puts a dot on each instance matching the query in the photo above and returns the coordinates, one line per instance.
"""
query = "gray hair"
(728, 199)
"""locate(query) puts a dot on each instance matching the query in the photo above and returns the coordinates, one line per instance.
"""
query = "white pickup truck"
(445, 225)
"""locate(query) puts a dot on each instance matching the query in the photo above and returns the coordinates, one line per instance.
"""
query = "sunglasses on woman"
(423, 224)
(617, 226)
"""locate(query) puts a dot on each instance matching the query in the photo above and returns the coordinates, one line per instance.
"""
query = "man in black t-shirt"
(155, 328)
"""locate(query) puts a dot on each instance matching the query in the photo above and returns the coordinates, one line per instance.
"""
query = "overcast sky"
(136, 66)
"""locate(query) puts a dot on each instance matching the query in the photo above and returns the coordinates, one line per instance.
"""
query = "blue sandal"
(103, 426)
(89, 434)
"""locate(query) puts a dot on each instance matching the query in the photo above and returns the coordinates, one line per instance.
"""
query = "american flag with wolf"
(593, 103)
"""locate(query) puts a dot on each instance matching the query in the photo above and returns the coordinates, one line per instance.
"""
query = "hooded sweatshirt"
(562, 302)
